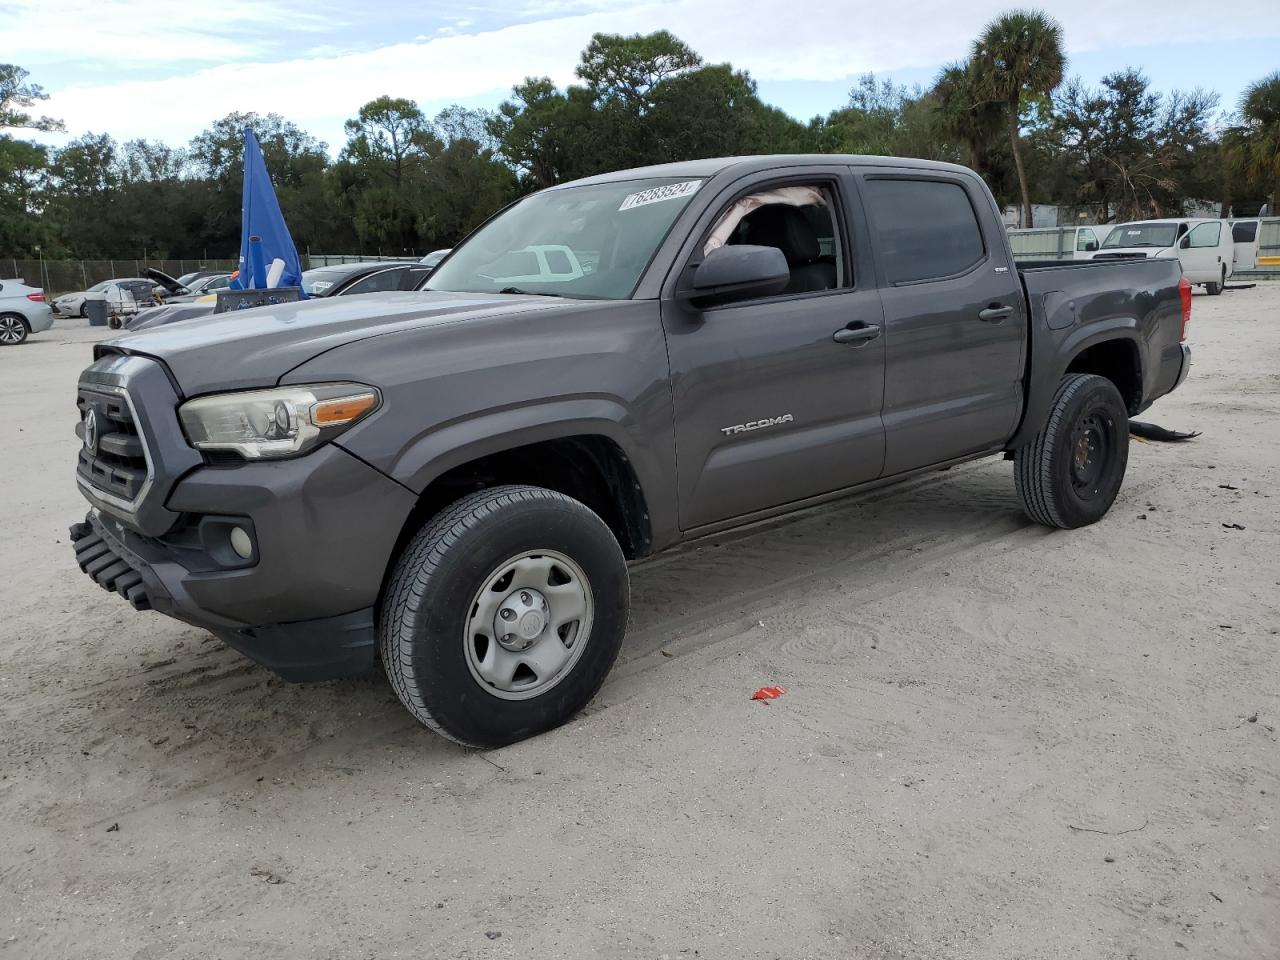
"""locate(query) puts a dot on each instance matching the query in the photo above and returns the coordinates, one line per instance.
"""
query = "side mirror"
(1185, 242)
(1090, 246)
(737, 273)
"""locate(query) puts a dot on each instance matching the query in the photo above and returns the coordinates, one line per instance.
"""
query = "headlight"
(272, 424)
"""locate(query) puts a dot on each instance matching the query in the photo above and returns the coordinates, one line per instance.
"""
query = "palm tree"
(964, 116)
(1255, 143)
(1017, 54)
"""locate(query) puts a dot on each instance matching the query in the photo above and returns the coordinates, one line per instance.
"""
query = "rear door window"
(923, 229)
(1245, 232)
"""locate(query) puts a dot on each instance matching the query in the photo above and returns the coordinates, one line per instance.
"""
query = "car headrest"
(786, 228)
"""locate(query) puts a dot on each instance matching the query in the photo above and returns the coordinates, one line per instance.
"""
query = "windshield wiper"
(527, 293)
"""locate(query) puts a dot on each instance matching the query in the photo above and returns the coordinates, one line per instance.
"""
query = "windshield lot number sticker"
(672, 191)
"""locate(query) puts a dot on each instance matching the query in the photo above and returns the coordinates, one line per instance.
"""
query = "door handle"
(996, 313)
(857, 332)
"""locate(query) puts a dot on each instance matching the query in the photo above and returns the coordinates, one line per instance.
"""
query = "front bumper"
(324, 526)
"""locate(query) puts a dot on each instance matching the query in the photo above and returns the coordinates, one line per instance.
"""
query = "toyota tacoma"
(453, 480)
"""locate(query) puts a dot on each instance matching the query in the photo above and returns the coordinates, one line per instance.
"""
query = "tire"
(1214, 288)
(13, 329)
(1070, 474)
(490, 559)
(84, 310)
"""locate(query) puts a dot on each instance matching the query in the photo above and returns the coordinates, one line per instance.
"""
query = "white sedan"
(72, 304)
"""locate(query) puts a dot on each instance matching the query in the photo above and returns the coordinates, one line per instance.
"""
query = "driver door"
(769, 408)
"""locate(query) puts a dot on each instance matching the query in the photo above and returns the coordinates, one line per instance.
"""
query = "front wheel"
(504, 614)
(1213, 288)
(1070, 474)
(13, 329)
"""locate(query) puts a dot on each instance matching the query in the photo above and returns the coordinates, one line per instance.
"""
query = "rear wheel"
(13, 329)
(504, 614)
(1070, 474)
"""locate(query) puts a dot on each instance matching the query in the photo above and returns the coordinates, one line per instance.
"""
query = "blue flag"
(264, 236)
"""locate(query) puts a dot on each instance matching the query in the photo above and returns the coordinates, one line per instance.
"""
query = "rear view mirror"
(738, 273)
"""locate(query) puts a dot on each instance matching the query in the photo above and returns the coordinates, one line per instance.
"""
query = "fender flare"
(1053, 360)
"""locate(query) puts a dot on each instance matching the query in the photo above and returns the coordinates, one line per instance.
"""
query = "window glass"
(923, 229)
(608, 232)
(1142, 235)
(382, 280)
(1244, 232)
(558, 262)
(797, 219)
(1084, 238)
(1206, 235)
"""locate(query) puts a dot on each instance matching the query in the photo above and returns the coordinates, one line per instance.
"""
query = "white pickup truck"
(1204, 247)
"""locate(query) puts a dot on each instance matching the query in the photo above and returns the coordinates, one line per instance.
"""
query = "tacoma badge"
(757, 424)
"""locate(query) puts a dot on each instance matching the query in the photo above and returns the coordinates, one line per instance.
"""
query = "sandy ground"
(996, 741)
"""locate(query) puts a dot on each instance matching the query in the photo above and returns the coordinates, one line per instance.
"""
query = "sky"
(164, 71)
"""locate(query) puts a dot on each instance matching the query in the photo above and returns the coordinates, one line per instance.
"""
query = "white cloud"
(828, 40)
(132, 33)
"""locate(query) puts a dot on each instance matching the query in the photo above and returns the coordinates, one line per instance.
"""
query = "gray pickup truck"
(455, 478)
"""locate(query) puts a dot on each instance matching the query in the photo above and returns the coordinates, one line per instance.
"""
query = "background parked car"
(433, 258)
(189, 280)
(113, 291)
(341, 280)
(1203, 246)
(335, 280)
(23, 311)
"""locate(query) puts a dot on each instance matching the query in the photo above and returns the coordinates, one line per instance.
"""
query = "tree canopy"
(404, 182)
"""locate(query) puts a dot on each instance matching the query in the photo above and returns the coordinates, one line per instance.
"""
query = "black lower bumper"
(141, 571)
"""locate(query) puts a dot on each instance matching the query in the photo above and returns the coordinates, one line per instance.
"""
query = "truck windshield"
(1141, 235)
(588, 242)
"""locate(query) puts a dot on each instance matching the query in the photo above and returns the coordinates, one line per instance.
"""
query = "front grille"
(113, 456)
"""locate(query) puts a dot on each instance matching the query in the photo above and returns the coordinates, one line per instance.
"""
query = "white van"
(1204, 247)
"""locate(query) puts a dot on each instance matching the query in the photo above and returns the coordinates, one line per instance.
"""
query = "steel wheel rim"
(11, 330)
(1092, 446)
(542, 589)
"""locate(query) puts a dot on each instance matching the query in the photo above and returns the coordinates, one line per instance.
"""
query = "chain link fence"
(57, 277)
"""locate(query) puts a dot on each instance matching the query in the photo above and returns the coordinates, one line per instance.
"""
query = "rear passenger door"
(954, 318)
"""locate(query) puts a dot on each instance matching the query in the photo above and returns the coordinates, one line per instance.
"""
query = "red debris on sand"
(768, 693)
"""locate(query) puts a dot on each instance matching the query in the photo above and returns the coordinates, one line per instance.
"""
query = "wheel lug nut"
(525, 598)
(507, 613)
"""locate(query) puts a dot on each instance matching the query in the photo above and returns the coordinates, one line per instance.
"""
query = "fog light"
(241, 544)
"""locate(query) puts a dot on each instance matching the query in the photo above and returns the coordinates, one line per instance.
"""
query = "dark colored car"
(344, 280)
(457, 477)
(367, 277)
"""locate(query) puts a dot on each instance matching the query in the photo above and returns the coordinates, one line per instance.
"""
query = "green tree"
(16, 94)
(965, 118)
(21, 165)
(1253, 145)
(388, 136)
(1019, 56)
(629, 69)
(1131, 149)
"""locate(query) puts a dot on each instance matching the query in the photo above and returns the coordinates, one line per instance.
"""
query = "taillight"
(36, 297)
(1184, 291)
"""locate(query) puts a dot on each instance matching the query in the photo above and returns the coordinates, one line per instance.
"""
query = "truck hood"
(255, 348)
